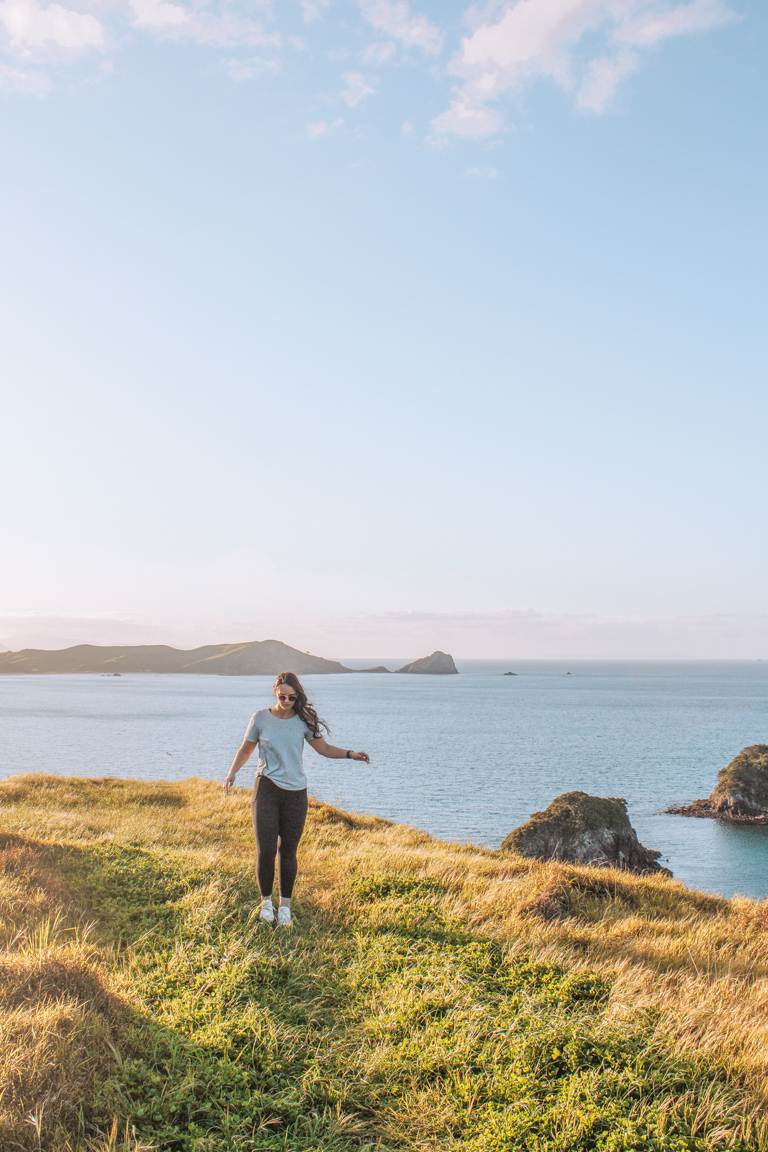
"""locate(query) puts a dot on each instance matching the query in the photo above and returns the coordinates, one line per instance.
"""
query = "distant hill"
(256, 657)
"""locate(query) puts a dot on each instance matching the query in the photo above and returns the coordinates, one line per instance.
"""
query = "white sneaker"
(267, 912)
(284, 917)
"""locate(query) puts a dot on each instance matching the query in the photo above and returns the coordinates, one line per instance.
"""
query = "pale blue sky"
(382, 326)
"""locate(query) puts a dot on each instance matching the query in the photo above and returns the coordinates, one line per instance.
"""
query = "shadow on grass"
(212, 1033)
(214, 1045)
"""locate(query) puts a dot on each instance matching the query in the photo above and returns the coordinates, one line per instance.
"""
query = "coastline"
(440, 763)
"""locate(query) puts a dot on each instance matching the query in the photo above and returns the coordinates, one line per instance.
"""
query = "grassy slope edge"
(433, 996)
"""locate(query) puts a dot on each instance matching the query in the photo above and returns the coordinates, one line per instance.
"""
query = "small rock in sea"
(509, 673)
(581, 829)
(741, 792)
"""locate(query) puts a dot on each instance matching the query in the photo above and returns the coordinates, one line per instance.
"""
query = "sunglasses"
(282, 698)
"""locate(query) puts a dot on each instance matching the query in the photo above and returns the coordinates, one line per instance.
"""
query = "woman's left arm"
(322, 746)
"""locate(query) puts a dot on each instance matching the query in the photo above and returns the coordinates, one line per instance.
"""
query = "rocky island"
(741, 793)
(582, 829)
(439, 663)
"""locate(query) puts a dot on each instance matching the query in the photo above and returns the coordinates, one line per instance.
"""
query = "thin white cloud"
(158, 14)
(18, 632)
(26, 81)
(468, 118)
(313, 10)
(53, 35)
(30, 26)
(582, 46)
(319, 129)
(231, 30)
(379, 53)
(535, 635)
(243, 69)
(522, 634)
(482, 172)
(222, 26)
(602, 78)
(648, 28)
(394, 18)
(587, 48)
(356, 89)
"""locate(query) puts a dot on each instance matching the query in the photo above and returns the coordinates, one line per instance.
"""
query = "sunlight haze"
(378, 327)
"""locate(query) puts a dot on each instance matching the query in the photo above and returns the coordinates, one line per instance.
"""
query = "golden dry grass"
(693, 967)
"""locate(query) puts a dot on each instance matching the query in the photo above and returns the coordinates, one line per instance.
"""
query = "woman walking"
(279, 801)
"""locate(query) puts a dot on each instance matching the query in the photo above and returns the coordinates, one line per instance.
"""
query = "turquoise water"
(465, 757)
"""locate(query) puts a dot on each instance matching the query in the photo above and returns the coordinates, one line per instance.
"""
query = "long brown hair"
(301, 704)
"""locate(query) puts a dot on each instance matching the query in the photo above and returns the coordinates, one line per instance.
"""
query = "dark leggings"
(277, 812)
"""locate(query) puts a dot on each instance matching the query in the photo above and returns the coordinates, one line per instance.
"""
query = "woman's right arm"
(241, 756)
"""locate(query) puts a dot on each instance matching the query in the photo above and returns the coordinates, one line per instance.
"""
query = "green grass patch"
(387, 1036)
(383, 1025)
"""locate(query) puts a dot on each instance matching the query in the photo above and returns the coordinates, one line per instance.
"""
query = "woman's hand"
(360, 756)
(228, 782)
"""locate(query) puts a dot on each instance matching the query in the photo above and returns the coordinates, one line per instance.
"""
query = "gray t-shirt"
(281, 743)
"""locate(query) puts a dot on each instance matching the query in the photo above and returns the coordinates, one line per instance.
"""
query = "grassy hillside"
(255, 657)
(431, 996)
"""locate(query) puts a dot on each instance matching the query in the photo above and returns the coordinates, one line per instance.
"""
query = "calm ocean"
(465, 757)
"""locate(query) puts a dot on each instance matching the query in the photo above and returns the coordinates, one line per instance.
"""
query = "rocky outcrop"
(581, 829)
(378, 668)
(438, 663)
(741, 793)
